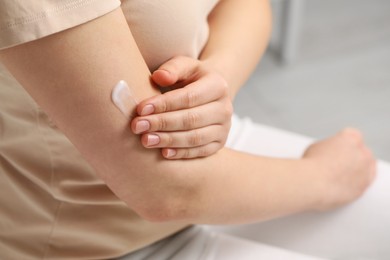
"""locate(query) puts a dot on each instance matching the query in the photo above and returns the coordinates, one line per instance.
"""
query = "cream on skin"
(123, 99)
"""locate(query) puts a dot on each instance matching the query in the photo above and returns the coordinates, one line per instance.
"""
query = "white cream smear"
(123, 99)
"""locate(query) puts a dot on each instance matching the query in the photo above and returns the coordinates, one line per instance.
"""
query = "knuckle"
(190, 99)
(204, 151)
(169, 140)
(228, 109)
(185, 153)
(162, 123)
(195, 138)
(222, 84)
(352, 133)
(163, 105)
(223, 139)
(190, 120)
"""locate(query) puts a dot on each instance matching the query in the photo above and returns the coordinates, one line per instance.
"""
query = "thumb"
(164, 78)
(174, 70)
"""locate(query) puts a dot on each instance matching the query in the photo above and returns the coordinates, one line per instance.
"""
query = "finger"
(185, 139)
(353, 134)
(164, 78)
(176, 69)
(182, 120)
(202, 91)
(190, 153)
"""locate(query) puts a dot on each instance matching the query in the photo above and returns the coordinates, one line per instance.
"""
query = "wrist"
(314, 170)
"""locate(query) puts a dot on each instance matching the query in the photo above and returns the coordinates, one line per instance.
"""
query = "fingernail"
(147, 110)
(142, 126)
(171, 153)
(153, 140)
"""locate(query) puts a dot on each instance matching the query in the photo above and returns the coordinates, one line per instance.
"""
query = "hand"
(345, 168)
(193, 120)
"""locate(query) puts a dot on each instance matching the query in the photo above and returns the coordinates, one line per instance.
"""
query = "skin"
(193, 120)
(209, 84)
(63, 71)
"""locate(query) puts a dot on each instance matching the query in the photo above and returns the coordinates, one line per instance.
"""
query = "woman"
(78, 184)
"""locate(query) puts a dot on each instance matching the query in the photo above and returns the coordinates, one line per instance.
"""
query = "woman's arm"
(71, 75)
(239, 35)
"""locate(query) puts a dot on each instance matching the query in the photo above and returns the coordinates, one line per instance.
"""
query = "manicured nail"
(171, 153)
(147, 110)
(153, 140)
(142, 126)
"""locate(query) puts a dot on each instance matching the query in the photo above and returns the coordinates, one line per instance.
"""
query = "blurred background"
(327, 67)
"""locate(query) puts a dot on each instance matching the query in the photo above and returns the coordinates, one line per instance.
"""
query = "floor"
(340, 78)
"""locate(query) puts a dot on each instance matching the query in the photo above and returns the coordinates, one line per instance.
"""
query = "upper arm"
(71, 75)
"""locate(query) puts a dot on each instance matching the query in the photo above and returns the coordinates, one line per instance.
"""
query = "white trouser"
(200, 243)
(358, 231)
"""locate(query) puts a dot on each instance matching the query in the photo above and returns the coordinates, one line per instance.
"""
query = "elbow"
(174, 195)
(165, 210)
(157, 193)
(168, 199)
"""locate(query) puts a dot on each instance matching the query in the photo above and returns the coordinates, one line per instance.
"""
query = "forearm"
(229, 187)
(233, 187)
(239, 34)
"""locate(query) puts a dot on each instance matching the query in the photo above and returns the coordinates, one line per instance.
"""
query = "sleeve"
(22, 21)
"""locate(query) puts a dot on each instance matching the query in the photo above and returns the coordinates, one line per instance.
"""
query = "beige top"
(53, 206)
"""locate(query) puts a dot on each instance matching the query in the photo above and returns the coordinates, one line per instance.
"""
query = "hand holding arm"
(193, 120)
